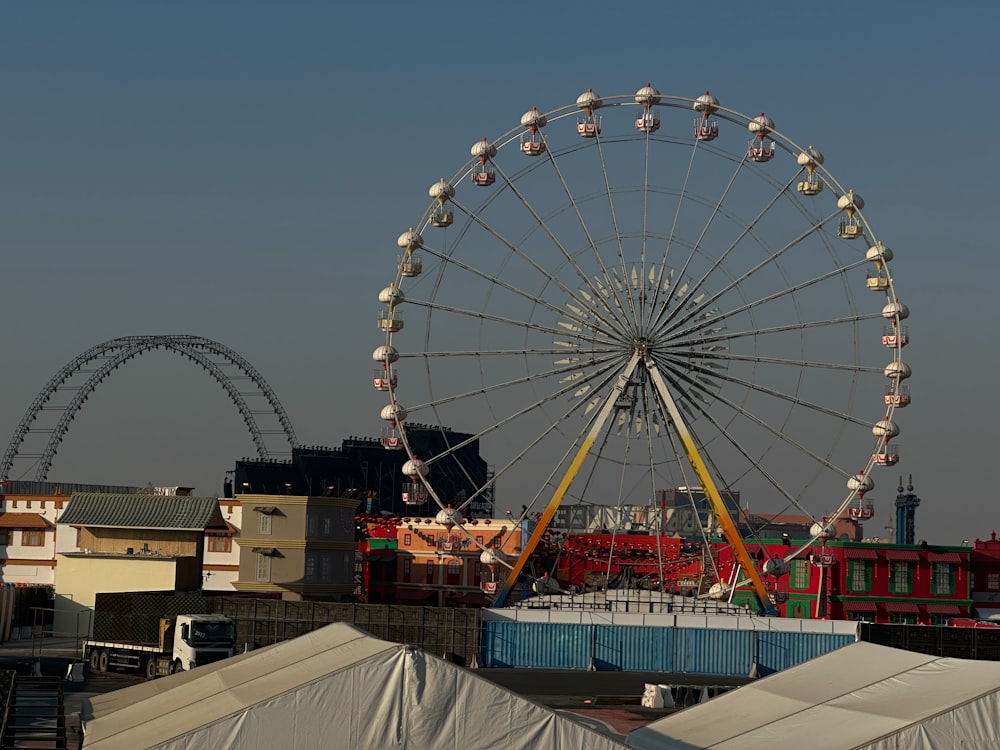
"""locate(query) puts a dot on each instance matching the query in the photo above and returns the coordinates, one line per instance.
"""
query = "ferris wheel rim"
(510, 137)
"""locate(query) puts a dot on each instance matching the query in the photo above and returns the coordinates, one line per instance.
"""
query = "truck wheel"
(175, 667)
(151, 668)
(94, 656)
(102, 661)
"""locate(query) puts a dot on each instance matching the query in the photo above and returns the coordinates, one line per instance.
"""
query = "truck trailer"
(184, 642)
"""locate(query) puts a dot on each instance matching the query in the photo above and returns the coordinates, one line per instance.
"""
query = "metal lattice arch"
(82, 374)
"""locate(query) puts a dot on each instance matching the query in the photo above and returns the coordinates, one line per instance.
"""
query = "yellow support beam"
(527, 550)
(729, 530)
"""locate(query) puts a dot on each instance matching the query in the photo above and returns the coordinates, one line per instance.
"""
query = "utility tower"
(906, 511)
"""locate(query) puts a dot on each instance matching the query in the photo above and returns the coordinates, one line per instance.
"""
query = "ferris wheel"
(637, 292)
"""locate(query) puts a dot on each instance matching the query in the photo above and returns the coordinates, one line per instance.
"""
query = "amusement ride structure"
(55, 407)
(612, 299)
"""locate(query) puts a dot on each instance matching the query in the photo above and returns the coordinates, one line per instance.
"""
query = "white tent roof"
(335, 687)
(860, 696)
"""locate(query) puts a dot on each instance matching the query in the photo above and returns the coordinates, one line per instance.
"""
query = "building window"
(993, 581)
(32, 538)
(943, 583)
(858, 576)
(220, 544)
(454, 573)
(310, 567)
(430, 572)
(406, 570)
(800, 574)
(939, 619)
(327, 526)
(7, 537)
(263, 567)
(853, 614)
(479, 540)
(407, 540)
(312, 525)
(326, 570)
(799, 610)
(265, 524)
(901, 618)
(899, 581)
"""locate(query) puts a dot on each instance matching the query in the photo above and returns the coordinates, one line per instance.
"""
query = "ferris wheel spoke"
(762, 423)
(609, 375)
(795, 399)
(667, 313)
(666, 436)
(455, 353)
(696, 245)
(800, 363)
(600, 374)
(772, 480)
(623, 266)
(541, 223)
(661, 272)
(724, 335)
(736, 283)
(542, 376)
(749, 305)
(500, 283)
(518, 324)
(550, 278)
(645, 223)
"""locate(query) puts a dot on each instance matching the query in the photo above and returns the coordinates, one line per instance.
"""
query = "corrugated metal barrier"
(634, 648)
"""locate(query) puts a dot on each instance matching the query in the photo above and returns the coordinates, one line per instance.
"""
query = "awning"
(860, 553)
(906, 608)
(902, 555)
(414, 595)
(266, 509)
(23, 521)
(859, 606)
(945, 557)
(944, 609)
(230, 530)
(266, 551)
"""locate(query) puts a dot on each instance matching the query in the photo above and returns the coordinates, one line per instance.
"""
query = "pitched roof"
(862, 695)
(386, 695)
(177, 512)
(23, 521)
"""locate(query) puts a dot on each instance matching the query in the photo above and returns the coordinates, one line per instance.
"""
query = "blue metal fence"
(637, 648)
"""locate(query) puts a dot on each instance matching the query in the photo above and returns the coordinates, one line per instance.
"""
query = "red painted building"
(874, 582)
(986, 577)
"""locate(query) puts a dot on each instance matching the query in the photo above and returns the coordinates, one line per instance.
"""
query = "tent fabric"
(335, 687)
(860, 697)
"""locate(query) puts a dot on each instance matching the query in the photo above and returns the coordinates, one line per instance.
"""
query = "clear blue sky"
(240, 171)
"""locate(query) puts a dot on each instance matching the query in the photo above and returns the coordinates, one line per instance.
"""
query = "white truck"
(185, 642)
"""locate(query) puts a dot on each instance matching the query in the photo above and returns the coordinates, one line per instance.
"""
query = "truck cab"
(177, 644)
(200, 639)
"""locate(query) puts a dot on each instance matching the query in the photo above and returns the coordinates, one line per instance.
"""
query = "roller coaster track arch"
(113, 354)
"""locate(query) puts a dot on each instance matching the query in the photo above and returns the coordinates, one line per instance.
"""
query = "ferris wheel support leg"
(574, 468)
(729, 530)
